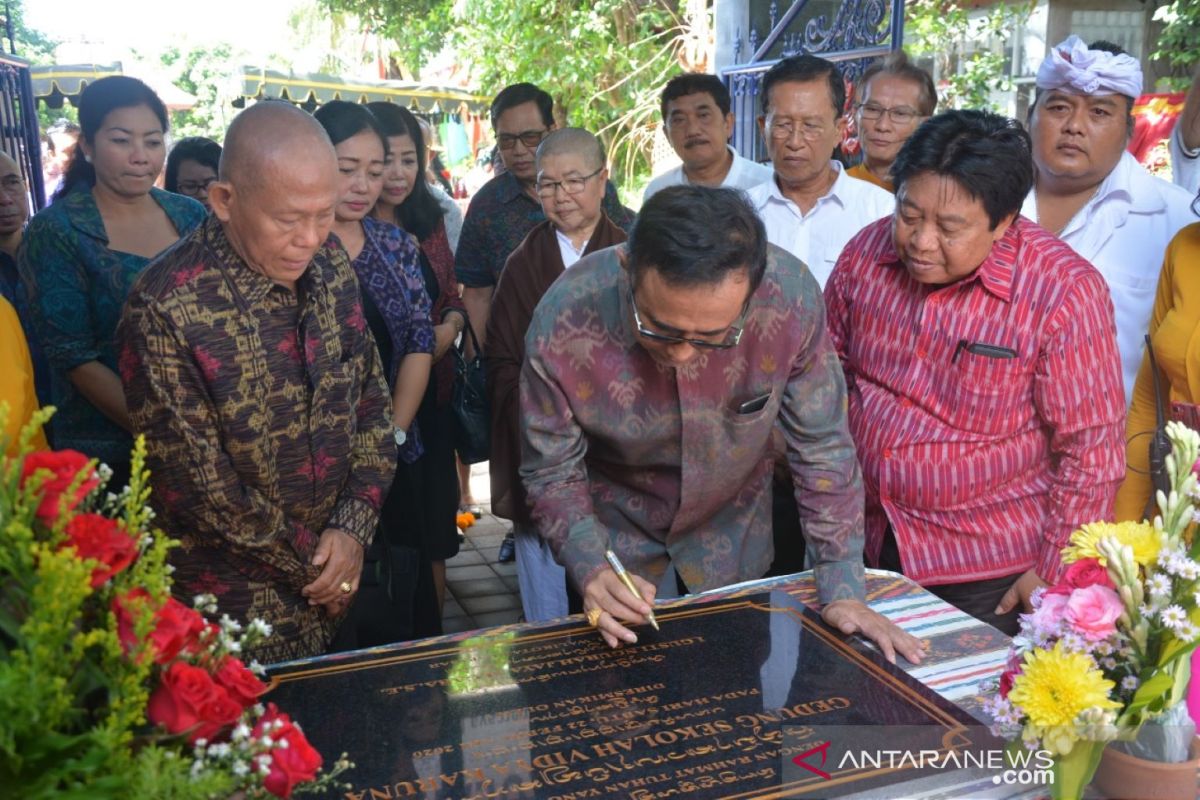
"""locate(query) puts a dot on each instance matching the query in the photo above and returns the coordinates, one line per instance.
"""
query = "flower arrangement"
(109, 687)
(1107, 648)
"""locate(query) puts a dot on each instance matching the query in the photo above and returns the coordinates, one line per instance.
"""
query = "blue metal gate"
(860, 32)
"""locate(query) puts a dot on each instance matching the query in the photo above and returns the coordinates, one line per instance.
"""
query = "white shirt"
(1185, 163)
(567, 250)
(1124, 231)
(818, 237)
(743, 174)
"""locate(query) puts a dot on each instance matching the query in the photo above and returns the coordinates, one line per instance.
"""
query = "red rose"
(123, 607)
(1087, 572)
(100, 538)
(63, 466)
(176, 628)
(181, 695)
(1006, 681)
(242, 684)
(219, 712)
(291, 765)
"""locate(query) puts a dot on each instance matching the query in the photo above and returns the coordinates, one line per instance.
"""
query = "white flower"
(267, 742)
(1129, 683)
(1173, 617)
(230, 624)
(1109, 662)
(259, 709)
(257, 668)
(242, 731)
(1189, 570)
(1188, 632)
(1074, 642)
(233, 646)
(1103, 648)
(201, 744)
(282, 744)
(1158, 585)
(219, 750)
(240, 768)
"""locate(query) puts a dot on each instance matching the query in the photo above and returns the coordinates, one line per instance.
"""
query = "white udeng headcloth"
(1072, 66)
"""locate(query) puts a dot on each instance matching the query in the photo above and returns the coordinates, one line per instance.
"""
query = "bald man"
(570, 179)
(248, 364)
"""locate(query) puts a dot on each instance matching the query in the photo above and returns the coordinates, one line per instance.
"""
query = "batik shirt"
(76, 287)
(267, 422)
(502, 214)
(658, 464)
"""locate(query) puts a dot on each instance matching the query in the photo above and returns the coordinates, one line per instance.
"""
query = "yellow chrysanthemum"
(1141, 536)
(1055, 685)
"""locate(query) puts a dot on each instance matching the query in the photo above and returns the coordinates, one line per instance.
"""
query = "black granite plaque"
(725, 701)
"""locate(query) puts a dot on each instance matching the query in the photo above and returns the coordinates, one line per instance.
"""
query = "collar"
(996, 274)
(1128, 184)
(249, 282)
(84, 215)
(836, 191)
(509, 189)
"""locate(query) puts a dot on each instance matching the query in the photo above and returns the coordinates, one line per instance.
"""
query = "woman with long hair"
(81, 254)
(397, 309)
(407, 201)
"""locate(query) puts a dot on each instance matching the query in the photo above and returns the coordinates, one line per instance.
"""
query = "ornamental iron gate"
(860, 32)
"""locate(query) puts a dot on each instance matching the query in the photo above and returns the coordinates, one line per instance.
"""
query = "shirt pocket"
(984, 394)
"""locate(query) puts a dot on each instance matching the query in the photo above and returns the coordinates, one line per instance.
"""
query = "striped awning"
(313, 89)
(57, 83)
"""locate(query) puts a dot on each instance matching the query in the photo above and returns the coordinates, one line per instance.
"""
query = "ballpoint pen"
(619, 568)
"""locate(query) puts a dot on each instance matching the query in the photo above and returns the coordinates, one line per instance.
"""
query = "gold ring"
(347, 587)
(593, 616)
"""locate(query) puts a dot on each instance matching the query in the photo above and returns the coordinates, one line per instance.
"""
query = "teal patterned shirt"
(76, 288)
(657, 462)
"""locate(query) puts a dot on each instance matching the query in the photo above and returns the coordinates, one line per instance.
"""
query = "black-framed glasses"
(732, 336)
(531, 139)
(901, 115)
(195, 187)
(569, 185)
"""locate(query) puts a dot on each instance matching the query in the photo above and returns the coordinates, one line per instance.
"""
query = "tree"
(206, 73)
(603, 61)
(966, 67)
(1179, 41)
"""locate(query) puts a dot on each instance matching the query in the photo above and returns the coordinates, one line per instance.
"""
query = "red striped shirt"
(982, 465)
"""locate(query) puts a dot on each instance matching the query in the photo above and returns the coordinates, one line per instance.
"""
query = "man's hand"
(1020, 591)
(854, 616)
(341, 560)
(616, 603)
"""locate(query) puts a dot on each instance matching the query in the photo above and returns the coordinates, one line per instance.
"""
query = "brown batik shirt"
(267, 422)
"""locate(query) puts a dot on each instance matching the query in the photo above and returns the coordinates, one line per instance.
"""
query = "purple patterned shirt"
(619, 451)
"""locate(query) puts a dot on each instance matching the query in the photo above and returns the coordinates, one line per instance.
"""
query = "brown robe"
(528, 273)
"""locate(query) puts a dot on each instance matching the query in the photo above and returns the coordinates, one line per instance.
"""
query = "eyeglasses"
(901, 115)
(732, 336)
(569, 185)
(784, 128)
(195, 187)
(531, 139)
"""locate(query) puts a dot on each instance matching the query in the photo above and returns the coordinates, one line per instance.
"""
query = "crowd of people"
(931, 362)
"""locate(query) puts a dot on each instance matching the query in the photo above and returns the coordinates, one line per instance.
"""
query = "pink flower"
(1093, 611)
(1049, 612)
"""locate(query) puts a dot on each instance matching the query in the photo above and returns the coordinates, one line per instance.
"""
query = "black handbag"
(472, 418)
(1160, 445)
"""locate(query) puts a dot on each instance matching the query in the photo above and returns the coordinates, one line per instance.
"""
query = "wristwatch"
(401, 436)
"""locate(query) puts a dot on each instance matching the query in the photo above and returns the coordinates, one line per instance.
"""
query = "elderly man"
(570, 180)
(654, 378)
(248, 364)
(984, 380)
(895, 96)
(1093, 194)
(698, 123)
(507, 207)
(14, 213)
(811, 207)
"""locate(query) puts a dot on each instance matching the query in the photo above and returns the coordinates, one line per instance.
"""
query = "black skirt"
(420, 508)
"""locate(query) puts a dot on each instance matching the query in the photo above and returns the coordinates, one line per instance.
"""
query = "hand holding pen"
(613, 596)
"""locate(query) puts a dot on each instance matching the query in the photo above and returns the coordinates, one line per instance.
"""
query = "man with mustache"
(982, 371)
(811, 207)
(1093, 194)
(895, 97)
(698, 123)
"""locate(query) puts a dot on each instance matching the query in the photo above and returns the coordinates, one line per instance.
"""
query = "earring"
(87, 158)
